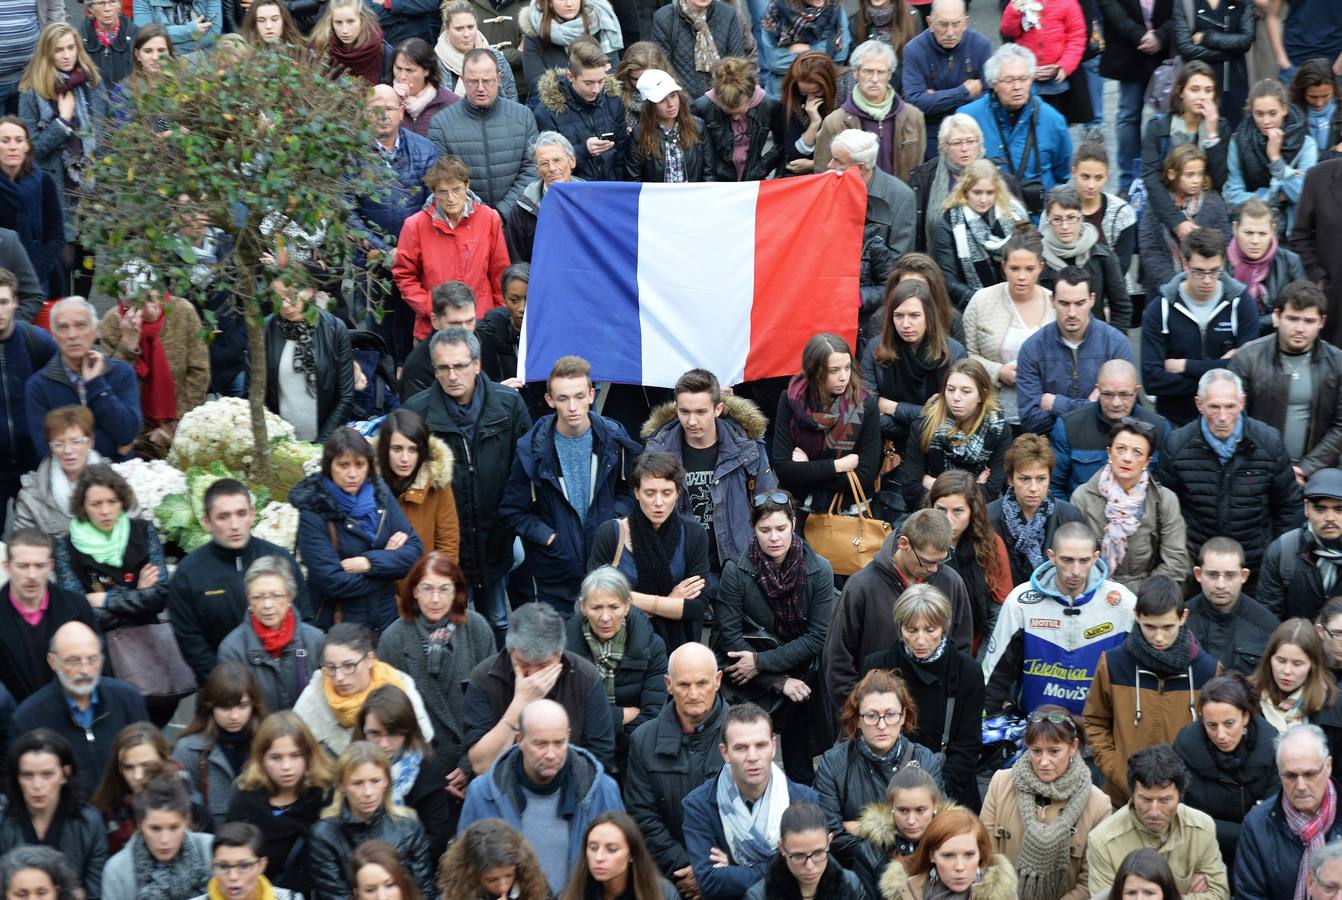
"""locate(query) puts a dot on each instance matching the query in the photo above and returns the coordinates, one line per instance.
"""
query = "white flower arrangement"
(151, 481)
(278, 523)
(221, 431)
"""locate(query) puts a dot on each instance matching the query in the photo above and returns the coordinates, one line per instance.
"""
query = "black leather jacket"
(82, 841)
(333, 840)
(335, 371)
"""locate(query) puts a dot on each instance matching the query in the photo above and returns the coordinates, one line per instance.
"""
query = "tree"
(267, 149)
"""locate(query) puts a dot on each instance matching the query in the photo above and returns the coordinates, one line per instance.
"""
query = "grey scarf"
(188, 875)
(1059, 255)
(1046, 847)
(975, 242)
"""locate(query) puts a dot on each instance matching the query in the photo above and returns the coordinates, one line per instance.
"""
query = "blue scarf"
(404, 772)
(1319, 122)
(1223, 449)
(24, 197)
(361, 507)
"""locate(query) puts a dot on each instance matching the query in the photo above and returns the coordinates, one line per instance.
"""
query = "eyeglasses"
(1327, 890)
(242, 868)
(871, 717)
(1064, 220)
(1206, 274)
(1015, 81)
(801, 859)
(436, 590)
(453, 368)
(344, 668)
(866, 72)
(83, 662)
(963, 143)
(266, 598)
(1332, 635)
(480, 82)
(1118, 395)
(935, 564)
(776, 497)
(72, 444)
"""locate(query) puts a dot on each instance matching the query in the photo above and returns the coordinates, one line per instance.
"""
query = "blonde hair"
(318, 771)
(936, 413)
(363, 753)
(40, 76)
(323, 33)
(975, 172)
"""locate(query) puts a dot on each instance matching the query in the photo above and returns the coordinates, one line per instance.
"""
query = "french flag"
(645, 281)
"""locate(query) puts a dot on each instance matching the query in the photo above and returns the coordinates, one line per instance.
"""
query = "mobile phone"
(607, 136)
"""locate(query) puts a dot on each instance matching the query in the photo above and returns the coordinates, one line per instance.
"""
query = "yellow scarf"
(346, 709)
(263, 890)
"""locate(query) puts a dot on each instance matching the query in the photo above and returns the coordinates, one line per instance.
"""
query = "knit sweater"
(188, 355)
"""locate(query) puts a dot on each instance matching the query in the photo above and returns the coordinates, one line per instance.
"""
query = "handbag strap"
(952, 685)
(620, 526)
(855, 485)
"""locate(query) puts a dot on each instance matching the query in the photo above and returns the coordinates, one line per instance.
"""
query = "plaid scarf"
(967, 451)
(784, 585)
(1312, 831)
(606, 657)
(807, 25)
(815, 430)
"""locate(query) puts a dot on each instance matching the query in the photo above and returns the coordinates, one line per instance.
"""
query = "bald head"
(1117, 383)
(951, 9)
(542, 738)
(75, 655)
(692, 679)
(691, 657)
(386, 112)
(542, 715)
(74, 638)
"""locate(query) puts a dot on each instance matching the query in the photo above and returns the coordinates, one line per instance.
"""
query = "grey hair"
(1325, 854)
(959, 122)
(942, 4)
(1211, 376)
(43, 859)
(455, 336)
(536, 633)
(926, 603)
(605, 580)
(867, 48)
(552, 139)
(271, 566)
(993, 67)
(861, 146)
(1312, 733)
(69, 303)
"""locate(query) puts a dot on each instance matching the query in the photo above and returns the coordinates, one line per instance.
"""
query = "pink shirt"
(35, 616)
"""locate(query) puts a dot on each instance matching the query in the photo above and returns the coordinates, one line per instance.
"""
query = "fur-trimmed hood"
(437, 474)
(876, 824)
(550, 90)
(999, 882)
(740, 410)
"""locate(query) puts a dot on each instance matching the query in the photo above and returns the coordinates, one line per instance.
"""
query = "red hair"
(946, 825)
(440, 564)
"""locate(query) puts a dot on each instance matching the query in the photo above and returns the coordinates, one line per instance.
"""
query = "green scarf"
(606, 657)
(108, 548)
(877, 111)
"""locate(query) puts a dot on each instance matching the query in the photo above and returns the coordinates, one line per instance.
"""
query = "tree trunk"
(256, 391)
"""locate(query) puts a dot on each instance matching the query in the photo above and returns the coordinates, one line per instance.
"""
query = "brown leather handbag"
(848, 542)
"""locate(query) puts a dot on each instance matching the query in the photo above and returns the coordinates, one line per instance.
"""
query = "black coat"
(78, 833)
(1318, 221)
(335, 371)
(206, 601)
(766, 141)
(480, 471)
(431, 803)
(284, 837)
(989, 271)
(817, 478)
(674, 34)
(125, 604)
(23, 647)
(1228, 795)
(1237, 640)
(1227, 35)
(665, 764)
(1155, 147)
(917, 462)
(1124, 27)
(114, 62)
(638, 677)
(333, 840)
(1252, 499)
(1021, 570)
(652, 169)
(955, 677)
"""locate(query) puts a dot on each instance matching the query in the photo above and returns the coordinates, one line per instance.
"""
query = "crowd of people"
(556, 640)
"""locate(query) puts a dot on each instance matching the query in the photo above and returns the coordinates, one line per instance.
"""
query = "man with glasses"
(1293, 379)
(453, 307)
(875, 107)
(864, 618)
(1200, 320)
(1080, 437)
(492, 134)
(239, 865)
(82, 705)
(1059, 365)
(32, 610)
(943, 66)
(1300, 568)
(555, 161)
(1282, 836)
(481, 422)
(1230, 625)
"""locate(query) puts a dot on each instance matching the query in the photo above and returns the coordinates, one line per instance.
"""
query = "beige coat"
(1001, 816)
(1159, 546)
(183, 343)
(1189, 847)
(910, 138)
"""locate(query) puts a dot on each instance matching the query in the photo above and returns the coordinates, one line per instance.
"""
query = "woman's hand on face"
(812, 108)
(397, 540)
(796, 690)
(846, 463)
(1274, 138)
(745, 667)
(356, 565)
(688, 589)
(148, 576)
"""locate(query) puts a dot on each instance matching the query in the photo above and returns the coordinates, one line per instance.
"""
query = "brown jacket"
(999, 883)
(1159, 546)
(1001, 816)
(910, 138)
(188, 354)
(430, 505)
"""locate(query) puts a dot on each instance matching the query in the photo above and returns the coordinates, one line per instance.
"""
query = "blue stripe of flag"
(583, 297)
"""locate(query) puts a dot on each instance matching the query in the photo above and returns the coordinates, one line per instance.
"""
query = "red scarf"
(363, 61)
(274, 640)
(107, 38)
(158, 393)
(1252, 273)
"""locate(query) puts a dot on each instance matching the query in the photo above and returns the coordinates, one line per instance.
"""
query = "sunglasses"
(1145, 429)
(1057, 718)
(776, 497)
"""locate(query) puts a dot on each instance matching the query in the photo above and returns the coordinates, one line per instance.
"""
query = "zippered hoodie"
(1169, 331)
(1046, 646)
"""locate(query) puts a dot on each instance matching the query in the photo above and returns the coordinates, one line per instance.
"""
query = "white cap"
(654, 85)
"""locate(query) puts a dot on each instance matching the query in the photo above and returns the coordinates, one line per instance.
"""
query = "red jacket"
(430, 252)
(1060, 38)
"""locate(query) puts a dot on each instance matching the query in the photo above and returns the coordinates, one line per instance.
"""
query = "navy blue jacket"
(1048, 366)
(535, 504)
(1267, 860)
(113, 398)
(368, 598)
(1169, 332)
(117, 705)
(933, 78)
(17, 365)
(384, 216)
(703, 831)
(1080, 442)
